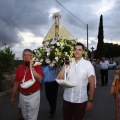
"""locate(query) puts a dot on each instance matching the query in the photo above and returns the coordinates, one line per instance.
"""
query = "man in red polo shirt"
(29, 97)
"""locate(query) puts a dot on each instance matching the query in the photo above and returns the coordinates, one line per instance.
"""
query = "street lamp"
(87, 37)
(92, 54)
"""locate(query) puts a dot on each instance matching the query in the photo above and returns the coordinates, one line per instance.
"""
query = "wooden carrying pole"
(117, 100)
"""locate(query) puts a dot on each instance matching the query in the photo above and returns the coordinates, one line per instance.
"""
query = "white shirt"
(78, 73)
(104, 65)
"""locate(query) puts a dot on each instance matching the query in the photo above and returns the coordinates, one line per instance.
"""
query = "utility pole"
(87, 37)
(92, 53)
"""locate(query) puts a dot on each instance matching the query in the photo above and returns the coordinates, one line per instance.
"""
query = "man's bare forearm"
(15, 88)
(92, 87)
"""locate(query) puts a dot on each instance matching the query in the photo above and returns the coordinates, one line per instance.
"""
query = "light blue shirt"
(50, 74)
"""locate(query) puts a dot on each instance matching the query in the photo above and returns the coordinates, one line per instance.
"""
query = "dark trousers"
(104, 76)
(73, 111)
(51, 90)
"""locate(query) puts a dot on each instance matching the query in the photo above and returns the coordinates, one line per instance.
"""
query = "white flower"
(47, 61)
(62, 44)
(66, 53)
(41, 60)
(47, 43)
(53, 47)
(52, 65)
(36, 59)
(33, 58)
(39, 55)
(53, 42)
(56, 49)
(38, 51)
(56, 58)
(40, 63)
(54, 61)
(48, 53)
(58, 44)
(47, 49)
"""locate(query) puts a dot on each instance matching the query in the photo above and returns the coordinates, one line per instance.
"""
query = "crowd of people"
(101, 70)
(76, 100)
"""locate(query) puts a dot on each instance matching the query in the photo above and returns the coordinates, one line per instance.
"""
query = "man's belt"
(26, 94)
(105, 69)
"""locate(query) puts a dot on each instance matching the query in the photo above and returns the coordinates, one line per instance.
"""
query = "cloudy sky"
(25, 23)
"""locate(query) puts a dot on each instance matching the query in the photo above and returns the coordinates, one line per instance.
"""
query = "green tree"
(112, 50)
(100, 46)
(6, 63)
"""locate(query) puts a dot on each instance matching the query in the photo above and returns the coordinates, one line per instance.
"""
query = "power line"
(71, 13)
(77, 19)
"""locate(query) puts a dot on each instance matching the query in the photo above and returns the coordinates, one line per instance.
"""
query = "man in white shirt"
(104, 71)
(76, 100)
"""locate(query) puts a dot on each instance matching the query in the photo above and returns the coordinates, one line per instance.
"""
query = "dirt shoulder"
(7, 84)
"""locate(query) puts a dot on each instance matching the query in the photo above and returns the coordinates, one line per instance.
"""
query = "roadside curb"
(5, 93)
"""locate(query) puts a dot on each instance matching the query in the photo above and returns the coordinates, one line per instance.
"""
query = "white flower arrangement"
(54, 52)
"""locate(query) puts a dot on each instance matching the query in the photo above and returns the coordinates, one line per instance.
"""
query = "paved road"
(104, 105)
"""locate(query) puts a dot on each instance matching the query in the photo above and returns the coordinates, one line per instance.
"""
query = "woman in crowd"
(97, 71)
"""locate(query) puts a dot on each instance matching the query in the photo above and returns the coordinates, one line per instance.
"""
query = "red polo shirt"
(20, 72)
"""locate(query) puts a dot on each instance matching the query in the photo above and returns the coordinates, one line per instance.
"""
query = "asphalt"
(103, 105)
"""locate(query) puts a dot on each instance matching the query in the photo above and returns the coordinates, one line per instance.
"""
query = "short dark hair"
(79, 44)
(27, 50)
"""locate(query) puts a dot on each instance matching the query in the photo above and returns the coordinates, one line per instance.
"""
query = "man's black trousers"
(51, 90)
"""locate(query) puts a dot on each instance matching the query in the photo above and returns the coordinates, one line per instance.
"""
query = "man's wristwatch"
(90, 100)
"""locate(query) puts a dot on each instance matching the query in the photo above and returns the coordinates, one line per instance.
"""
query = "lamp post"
(92, 54)
(87, 37)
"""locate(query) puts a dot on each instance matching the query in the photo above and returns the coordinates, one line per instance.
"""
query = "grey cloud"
(21, 15)
(8, 34)
(33, 16)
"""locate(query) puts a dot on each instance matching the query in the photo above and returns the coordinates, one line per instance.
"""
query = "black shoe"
(50, 111)
(102, 85)
(105, 84)
(52, 116)
(20, 118)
